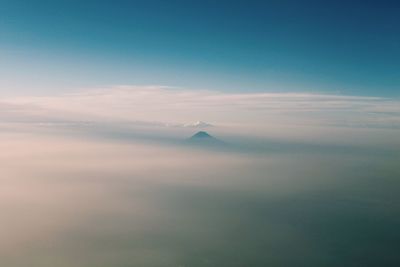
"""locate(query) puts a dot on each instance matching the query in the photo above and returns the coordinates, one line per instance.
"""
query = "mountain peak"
(202, 138)
(201, 134)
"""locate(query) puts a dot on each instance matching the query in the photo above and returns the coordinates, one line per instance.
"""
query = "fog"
(108, 177)
(93, 198)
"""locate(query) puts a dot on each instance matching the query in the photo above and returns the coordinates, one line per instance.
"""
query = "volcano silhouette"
(203, 138)
(201, 134)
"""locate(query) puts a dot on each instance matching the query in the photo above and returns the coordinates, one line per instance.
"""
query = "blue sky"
(345, 47)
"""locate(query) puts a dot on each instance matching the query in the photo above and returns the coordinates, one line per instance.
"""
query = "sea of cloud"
(104, 178)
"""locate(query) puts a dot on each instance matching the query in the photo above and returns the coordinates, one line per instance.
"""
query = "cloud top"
(165, 106)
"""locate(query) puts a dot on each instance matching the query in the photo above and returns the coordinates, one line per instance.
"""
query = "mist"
(82, 196)
(111, 177)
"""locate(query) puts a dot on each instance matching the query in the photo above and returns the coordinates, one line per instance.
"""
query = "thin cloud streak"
(166, 106)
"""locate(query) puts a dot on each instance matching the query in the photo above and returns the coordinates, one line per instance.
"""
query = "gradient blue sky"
(346, 47)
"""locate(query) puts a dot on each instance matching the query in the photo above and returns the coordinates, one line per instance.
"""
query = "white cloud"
(161, 106)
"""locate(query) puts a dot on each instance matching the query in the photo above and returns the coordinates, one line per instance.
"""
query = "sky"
(324, 47)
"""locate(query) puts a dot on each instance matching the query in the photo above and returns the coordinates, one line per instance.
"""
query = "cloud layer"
(156, 113)
(170, 106)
